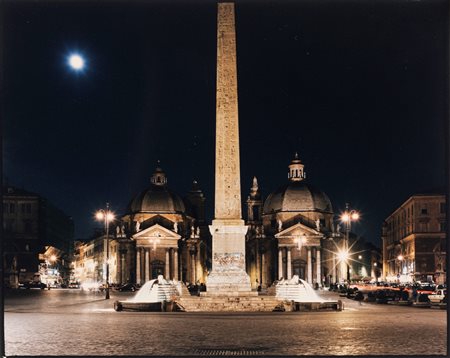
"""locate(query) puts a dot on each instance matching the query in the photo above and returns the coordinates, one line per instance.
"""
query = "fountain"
(154, 295)
(303, 296)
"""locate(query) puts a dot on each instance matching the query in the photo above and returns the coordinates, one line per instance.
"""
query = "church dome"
(157, 198)
(297, 196)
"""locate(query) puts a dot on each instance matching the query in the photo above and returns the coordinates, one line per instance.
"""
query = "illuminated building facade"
(293, 232)
(414, 240)
(160, 234)
(30, 223)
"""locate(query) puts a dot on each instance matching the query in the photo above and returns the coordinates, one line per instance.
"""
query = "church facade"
(159, 234)
(292, 232)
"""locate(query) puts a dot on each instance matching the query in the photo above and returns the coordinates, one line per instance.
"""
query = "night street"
(73, 322)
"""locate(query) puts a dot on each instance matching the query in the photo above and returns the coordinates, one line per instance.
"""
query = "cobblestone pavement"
(73, 322)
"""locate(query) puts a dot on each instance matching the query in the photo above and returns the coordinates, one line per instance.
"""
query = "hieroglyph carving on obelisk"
(228, 274)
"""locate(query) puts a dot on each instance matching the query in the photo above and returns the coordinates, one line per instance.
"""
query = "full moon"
(76, 62)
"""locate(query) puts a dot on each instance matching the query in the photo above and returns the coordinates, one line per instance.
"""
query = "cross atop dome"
(296, 169)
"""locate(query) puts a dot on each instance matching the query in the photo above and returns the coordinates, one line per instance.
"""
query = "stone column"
(167, 266)
(258, 262)
(333, 270)
(182, 255)
(119, 267)
(147, 265)
(318, 266)
(175, 264)
(193, 279)
(138, 266)
(280, 263)
(289, 263)
(263, 269)
(122, 272)
(309, 277)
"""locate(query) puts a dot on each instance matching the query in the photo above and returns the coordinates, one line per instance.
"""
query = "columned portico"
(156, 245)
(302, 244)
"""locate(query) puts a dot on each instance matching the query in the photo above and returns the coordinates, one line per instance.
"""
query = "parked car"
(74, 285)
(426, 289)
(35, 284)
(128, 287)
(438, 296)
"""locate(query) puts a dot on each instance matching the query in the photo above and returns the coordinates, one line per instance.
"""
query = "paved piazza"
(73, 322)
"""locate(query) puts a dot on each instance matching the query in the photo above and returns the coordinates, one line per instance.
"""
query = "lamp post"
(375, 271)
(347, 217)
(400, 266)
(106, 216)
(54, 269)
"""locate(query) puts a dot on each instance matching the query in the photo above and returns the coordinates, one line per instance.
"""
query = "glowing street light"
(106, 216)
(76, 62)
(343, 256)
(347, 217)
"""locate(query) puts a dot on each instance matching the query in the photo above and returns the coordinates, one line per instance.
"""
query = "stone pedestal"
(228, 275)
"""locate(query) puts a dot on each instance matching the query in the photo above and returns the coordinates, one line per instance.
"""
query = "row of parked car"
(406, 294)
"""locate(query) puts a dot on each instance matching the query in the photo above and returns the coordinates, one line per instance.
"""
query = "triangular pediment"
(156, 231)
(298, 230)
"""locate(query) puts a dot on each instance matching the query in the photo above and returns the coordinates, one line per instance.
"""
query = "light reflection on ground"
(71, 322)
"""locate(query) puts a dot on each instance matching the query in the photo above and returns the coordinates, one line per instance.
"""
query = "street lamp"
(347, 217)
(106, 216)
(400, 266)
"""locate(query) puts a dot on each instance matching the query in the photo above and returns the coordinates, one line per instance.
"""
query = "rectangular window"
(28, 226)
(443, 208)
(28, 208)
(424, 211)
(5, 208)
(443, 227)
(12, 207)
(22, 208)
(10, 225)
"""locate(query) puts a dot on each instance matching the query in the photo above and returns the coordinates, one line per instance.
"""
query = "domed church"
(163, 234)
(291, 233)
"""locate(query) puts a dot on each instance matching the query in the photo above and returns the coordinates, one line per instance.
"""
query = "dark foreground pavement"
(73, 322)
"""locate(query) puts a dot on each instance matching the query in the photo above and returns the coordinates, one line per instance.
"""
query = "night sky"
(359, 89)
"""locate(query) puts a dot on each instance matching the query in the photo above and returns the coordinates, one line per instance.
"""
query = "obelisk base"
(228, 276)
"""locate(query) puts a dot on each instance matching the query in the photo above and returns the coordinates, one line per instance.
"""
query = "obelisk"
(228, 275)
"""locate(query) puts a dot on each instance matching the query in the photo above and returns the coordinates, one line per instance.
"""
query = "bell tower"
(254, 204)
